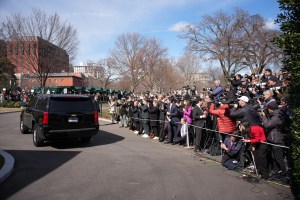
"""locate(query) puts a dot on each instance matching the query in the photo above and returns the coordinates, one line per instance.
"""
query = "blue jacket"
(233, 148)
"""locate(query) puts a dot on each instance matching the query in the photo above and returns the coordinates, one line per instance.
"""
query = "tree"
(236, 41)
(188, 65)
(41, 41)
(108, 72)
(128, 55)
(289, 41)
(153, 54)
(216, 38)
(7, 77)
(257, 45)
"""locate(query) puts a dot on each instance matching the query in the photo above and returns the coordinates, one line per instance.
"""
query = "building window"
(16, 49)
(28, 48)
(10, 49)
(22, 49)
(34, 48)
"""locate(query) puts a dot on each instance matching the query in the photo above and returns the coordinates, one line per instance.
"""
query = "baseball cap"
(244, 80)
(244, 98)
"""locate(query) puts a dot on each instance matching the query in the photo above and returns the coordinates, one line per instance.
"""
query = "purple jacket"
(187, 114)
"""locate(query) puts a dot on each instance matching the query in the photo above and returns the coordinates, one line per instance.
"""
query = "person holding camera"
(244, 112)
(224, 122)
(112, 109)
(254, 135)
(231, 146)
(123, 113)
(144, 106)
(136, 117)
(163, 126)
(154, 117)
(274, 125)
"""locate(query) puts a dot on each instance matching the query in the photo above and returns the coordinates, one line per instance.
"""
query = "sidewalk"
(8, 166)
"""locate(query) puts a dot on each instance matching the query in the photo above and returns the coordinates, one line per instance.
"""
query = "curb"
(8, 166)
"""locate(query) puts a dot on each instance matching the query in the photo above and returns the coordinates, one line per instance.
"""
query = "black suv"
(52, 117)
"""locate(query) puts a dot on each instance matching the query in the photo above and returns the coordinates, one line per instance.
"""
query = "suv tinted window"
(58, 104)
(42, 103)
(33, 102)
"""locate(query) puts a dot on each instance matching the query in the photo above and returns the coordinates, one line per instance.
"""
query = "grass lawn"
(9, 109)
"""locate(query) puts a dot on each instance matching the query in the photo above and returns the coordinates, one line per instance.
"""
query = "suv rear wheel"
(23, 128)
(36, 136)
(85, 139)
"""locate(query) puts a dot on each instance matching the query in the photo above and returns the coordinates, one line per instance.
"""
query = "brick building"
(54, 79)
(31, 54)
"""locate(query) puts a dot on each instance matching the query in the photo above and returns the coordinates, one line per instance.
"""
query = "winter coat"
(154, 116)
(217, 92)
(145, 112)
(245, 114)
(225, 123)
(187, 113)
(275, 127)
(257, 134)
(123, 109)
(136, 113)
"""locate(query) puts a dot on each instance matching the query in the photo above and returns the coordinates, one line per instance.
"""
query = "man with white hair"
(245, 112)
(218, 91)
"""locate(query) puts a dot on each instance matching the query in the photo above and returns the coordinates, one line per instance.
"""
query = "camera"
(187, 87)
(275, 88)
(207, 89)
(232, 103)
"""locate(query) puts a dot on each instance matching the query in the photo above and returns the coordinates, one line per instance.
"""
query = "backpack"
(215, 149)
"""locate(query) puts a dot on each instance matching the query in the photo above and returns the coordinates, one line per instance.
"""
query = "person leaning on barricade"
(224, 122)
(274, 125)
(244, 112)
(231, 146)
(255, 135)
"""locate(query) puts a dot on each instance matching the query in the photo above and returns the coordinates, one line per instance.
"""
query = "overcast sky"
(100, 22)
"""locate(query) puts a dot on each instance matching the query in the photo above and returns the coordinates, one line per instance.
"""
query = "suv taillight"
(96, 120)
(45, 118)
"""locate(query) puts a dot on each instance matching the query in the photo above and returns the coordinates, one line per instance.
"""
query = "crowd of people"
(246, 121)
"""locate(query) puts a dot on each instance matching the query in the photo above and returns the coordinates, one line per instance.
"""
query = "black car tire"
(85, 139)
(36, 136)
(23, 128)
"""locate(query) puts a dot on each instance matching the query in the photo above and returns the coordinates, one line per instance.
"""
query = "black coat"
(154, 116)
(275, 127)
(197, 113)
(136, 114)
(246, 114)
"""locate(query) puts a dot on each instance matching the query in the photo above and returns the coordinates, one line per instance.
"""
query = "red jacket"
(257, 134)
(225, 124)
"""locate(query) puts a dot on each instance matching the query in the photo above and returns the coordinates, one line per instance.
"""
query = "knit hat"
(272, 105)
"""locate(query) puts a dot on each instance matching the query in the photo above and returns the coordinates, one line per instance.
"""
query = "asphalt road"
(115, 165)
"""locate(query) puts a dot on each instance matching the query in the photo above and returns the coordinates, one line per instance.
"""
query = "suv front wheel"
(36, 136)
